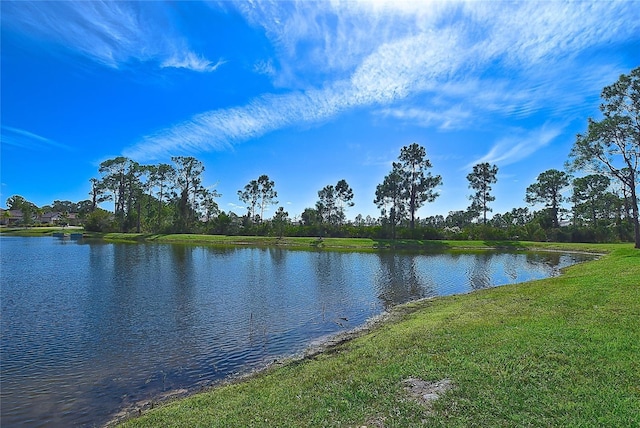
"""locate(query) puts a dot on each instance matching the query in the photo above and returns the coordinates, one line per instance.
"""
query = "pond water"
(89, 328)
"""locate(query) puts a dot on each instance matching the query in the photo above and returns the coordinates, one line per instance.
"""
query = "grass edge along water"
(561, 351)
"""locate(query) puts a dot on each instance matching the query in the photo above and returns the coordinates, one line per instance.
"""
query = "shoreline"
(330, 244)
(321, 345)
(525, 351)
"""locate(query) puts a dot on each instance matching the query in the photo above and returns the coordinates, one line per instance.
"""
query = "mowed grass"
(358, 244)
(39, 231)
(563, 351)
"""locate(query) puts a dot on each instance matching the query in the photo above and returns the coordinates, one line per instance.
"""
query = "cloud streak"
(108, 32)
(449, 118)
(517, 146)
(19, 138)
(191, 61)
(320, 38)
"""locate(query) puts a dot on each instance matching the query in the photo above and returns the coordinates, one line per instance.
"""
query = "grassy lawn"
(359, 244)
(223, 240)
(38, 231)
(563, 351)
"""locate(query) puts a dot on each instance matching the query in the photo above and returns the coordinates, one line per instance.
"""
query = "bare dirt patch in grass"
(425, 392)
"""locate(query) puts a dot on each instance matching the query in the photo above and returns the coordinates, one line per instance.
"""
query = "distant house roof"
(14, 216)
(56, 216)
(13, 213)
(51, 216)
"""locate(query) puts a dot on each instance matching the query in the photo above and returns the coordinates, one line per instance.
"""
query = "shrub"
(100, 221)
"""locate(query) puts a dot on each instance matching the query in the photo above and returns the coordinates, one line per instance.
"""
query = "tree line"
(171, 198)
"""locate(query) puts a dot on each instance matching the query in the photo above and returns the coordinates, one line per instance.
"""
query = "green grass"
(359, 244)
(223, 240)
(563, 351)
(38, 231)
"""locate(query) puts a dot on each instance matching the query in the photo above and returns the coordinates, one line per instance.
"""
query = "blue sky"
(306, 92)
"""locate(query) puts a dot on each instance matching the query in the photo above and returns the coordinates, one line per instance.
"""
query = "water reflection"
(479, 271)
(399, 280)
(511, 267)
(93, 327)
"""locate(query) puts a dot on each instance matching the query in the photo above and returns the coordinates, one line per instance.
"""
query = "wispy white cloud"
(191, 61)
(219, 129)
(450, 118)
(519, 145)
(317, 38)
(235, 206)
(265, 67)
(23, 139)
(526, 34)
(334, 37)
(369, 54)
(111, 33)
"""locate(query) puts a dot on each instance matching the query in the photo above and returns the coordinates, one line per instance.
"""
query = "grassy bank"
(557, 352)
(359, 244)
(38, 231)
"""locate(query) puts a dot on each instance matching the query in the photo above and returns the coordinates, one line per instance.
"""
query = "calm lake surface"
(89, 328)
